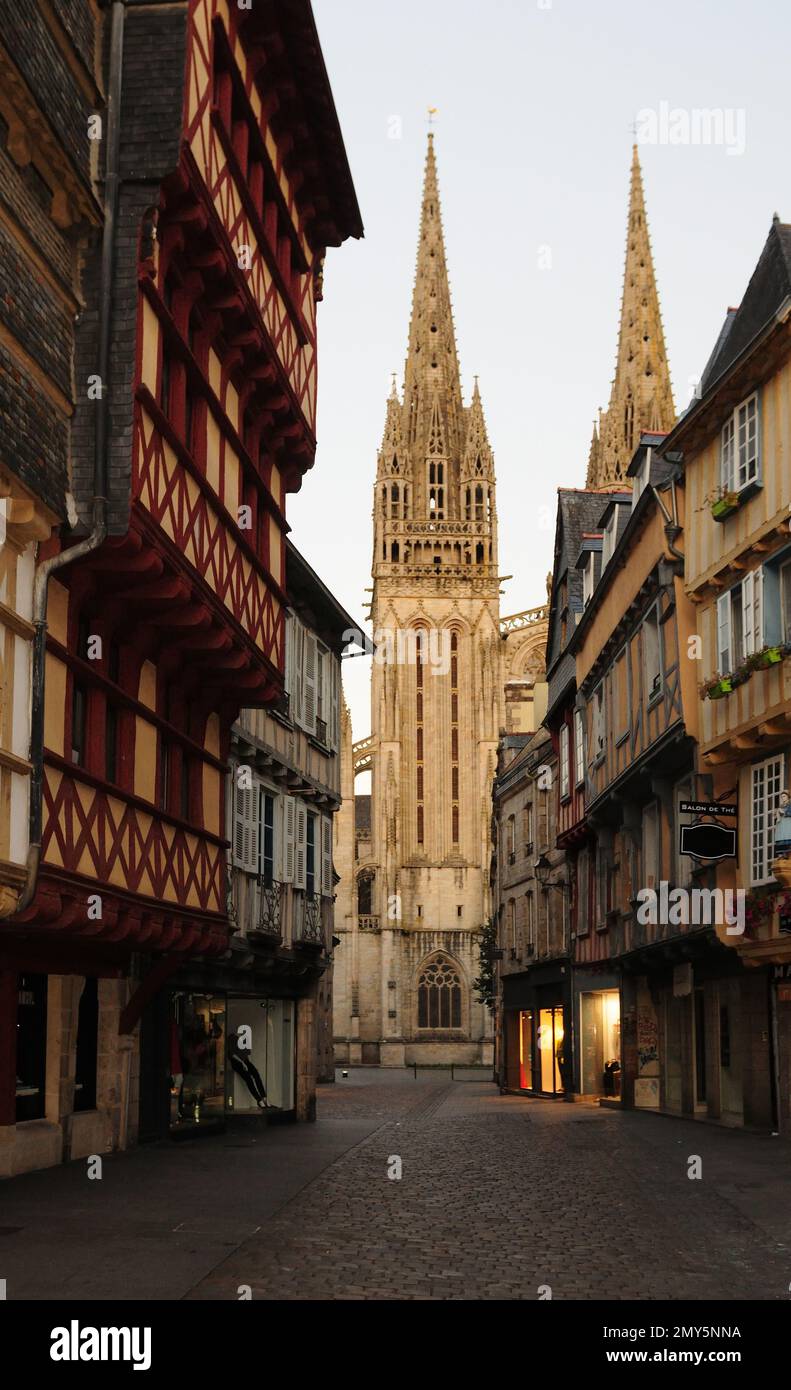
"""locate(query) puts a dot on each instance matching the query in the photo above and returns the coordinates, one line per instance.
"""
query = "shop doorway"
(526, 1050)
(550, 1039)
(31, 1047)
(600, 1043)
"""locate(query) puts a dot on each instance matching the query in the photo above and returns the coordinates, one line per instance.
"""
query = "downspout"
(672, 528)
(97, 535)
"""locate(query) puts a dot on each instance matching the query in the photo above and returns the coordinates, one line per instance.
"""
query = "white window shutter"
(289, 663)
(724, 663)
(758, 610)
(326, 856)
(297, 633)
(309, 673)
(300, 843)
(245, 828)
(748, 619)
(289, 837)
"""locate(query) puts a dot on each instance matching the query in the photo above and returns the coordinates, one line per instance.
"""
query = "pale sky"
(536, 103)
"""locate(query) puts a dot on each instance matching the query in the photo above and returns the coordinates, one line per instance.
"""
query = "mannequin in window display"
(245, 1067)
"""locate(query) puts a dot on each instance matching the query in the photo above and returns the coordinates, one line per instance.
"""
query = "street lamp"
(543, 869)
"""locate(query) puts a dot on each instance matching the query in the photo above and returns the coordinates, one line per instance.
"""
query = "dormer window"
(740, 454)
(608, 544)
(640, 479)
(588, 579)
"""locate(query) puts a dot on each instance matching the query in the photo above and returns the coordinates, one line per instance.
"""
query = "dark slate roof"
(578, 512)
(362, 813)
(769, 286)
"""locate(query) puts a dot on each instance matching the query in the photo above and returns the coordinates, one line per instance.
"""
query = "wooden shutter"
(296, 669)
(288, 839)
(724, 664)
(309, 675)
(289, 662)
(758, 610)
(300, 841)
(326, 856)
(245, 827)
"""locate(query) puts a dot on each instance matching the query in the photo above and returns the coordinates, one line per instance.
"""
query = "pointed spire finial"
(641, 397)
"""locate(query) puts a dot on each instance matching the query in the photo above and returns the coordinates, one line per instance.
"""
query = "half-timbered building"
(735, 440)
(649, 906)
(225, 180)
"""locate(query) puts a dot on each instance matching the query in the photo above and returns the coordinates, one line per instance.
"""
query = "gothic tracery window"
(439, 995)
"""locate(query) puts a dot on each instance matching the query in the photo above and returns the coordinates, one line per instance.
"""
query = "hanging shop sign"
(707, 839)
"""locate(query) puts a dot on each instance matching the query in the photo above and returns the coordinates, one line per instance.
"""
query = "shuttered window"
(245, 825)
(767, 784)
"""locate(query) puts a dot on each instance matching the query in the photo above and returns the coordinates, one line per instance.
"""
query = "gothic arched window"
(365, 884)
(439, 995)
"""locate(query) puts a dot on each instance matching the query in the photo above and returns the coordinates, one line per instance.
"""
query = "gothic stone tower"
(406, 966)
(641, 396)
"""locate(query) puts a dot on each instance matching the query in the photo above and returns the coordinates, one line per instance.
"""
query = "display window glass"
(197, 1059)
(526, 1050)
(550, 1049)
(31, 1047)
(600, 1039)
(260, 1072)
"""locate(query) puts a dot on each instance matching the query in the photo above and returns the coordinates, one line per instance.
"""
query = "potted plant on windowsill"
(770, 656)
(714, 687)
(724, 503)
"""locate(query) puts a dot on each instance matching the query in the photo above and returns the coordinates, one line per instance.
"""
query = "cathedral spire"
(641, 397)
(431, 374)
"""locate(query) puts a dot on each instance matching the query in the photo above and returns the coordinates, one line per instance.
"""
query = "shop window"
(87, 1046)
(197, 1059)
(260, 1055)
(550, 1040)
(439, 995)
(600, 1043)
(526, 1050)
(31, 1047)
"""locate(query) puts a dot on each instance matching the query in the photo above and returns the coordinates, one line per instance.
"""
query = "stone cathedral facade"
(449, 677)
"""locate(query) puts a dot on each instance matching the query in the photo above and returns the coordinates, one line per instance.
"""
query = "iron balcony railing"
(269, 919)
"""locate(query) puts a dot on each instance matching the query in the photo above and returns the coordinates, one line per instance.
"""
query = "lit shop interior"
(229, 1056)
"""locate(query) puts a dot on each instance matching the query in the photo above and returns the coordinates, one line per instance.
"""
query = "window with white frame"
(652, 659)
(767, 782)
(313, 681)
(579, 748)
(740, 446)
(740, 622)
(565, 770)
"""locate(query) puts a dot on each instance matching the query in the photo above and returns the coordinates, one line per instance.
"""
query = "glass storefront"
(197, 1059)
(260, 1074)
(600, 1043)
(229, 1056)
(541, 1039)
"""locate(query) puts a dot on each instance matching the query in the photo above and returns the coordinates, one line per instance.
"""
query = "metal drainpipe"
(94, 540)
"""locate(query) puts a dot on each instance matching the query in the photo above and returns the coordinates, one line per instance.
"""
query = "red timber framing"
(190, 602)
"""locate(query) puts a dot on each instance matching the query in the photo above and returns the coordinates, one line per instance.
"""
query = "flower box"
(725, 506)
(720, 688)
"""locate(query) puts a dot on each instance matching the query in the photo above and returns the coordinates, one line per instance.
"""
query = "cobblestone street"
(498, 1196)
